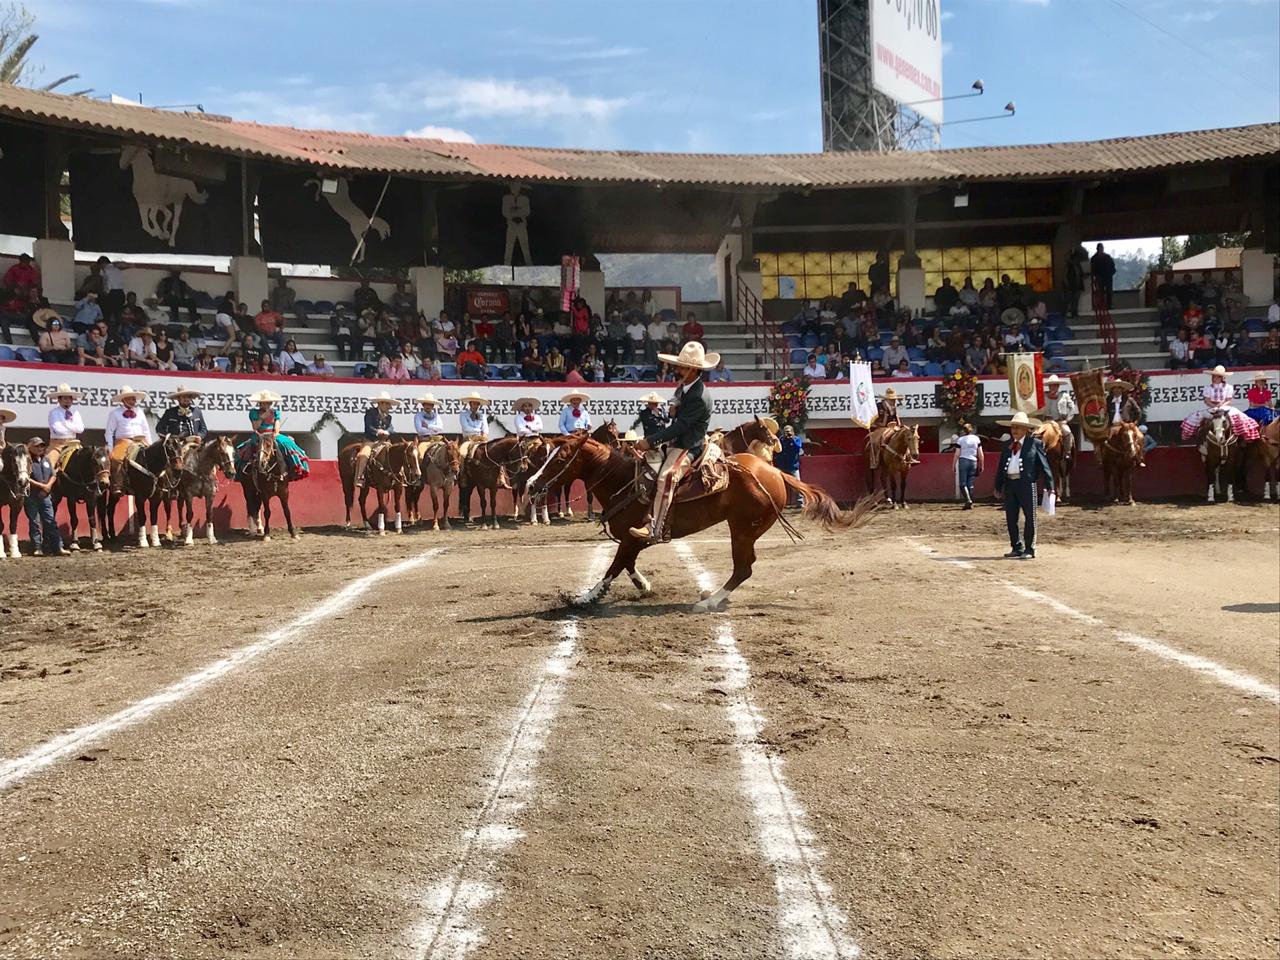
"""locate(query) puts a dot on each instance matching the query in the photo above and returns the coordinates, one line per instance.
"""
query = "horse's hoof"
(266, 538)
(295, 536)
(73, 546)
(97, 546)
(706, 606)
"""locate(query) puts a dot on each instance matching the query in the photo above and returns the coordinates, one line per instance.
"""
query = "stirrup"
(641, 533)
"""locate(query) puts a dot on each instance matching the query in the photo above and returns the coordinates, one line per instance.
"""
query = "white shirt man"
(112, 277)
(474, 423)
(574, 418)
(65, 423)
(657, 330)
(815, 370)
(320, 367)
(142, 351)
(636, 331)
(528, 422)
(120, 426)
(427, 422)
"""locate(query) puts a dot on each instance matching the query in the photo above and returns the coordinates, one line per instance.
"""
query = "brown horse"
(1119, 456)
(198, 478)
(440, 464)
(151, 479)
(899, 452)
(84, 477)
(533, 454)
(1268, 447)
(392, 468)
(753, 500)
(1222, 454)
(751, 437)
(15, 483)
(1059, 447)
(265, 476)
(485, 470)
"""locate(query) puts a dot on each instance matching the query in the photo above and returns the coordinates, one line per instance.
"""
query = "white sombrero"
(523, 400)
(128, 391)
(573, 395)
(1260, 375)
(63, 390)
(693, 355)
(7, 415)
(383, 397)
(1053, 379)
(629, 437)
(474, 397)
(428, 398)
(770, 424)
(1020, 419)
(264, 396)
(1219, 371)
(652, 397)
(1125, 385)
(890, 394)
(185, 392)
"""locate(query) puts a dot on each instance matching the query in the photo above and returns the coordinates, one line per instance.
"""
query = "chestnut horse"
(392, 468)
(1268, 447)
(198, 478)
(1119, 456)
(485, 470)
(15, 484)
(899, 452)
(440, 465)
(751, 437)
(1062, 458)
(751, 503)
(84, 478)
(265, 476)
(1222, 453)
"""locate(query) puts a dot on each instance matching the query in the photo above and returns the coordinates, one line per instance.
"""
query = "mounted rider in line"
(883, 424)
(428, 425)
(1059, 408)
(126, 429)
(184, 419)
(377, 431)
(685, 435)
(65, 424)
(472, 423)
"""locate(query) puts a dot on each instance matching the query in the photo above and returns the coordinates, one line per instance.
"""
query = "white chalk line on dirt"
(1202, 665)
(811, 924)
(451, 928)
(20, 768)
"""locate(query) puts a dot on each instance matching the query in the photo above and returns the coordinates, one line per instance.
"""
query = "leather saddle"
(708, 475)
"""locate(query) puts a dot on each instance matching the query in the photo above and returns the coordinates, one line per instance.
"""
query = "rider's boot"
(655, 531)
(362, 462)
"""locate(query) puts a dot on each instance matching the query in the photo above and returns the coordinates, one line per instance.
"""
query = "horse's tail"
(819, 507)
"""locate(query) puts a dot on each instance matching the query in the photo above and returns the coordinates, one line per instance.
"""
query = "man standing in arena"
(1023, 464)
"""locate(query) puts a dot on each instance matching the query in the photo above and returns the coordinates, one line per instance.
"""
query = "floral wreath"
(1141, 383)
(958, 395)
(789, 401)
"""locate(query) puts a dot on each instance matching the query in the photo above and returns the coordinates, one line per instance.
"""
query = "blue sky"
(701, 75)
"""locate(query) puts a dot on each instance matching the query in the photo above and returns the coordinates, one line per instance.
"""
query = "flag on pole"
(1091, 398)
(1026, 382)
(862, 406)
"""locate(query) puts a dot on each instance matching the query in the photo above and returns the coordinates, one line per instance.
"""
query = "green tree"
(16, 41)
(1171, 251)
(463, 277)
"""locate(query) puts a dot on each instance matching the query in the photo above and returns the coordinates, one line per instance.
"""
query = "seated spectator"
(895, 353)
(483, 336)
(1035, 334)
(446, 346)
(692, 330)
(935, 347)
(1225, 348)
(283, 299)
(471, 363)
(851, 300)
(385, 337)
(320, 367)
(184, 352)
(132, 316)
(969, 295)
(902, 370)
(1039, 310)
(142, 350)
(244, 321)
(1015, 340)
(39, 318)
(532, 365)
(401, 300)
(1193, 316)
(24, 273)
(394, 369)
(1273, 315)
(975, 358)
(269, 325)
(995, 358)
(814, 370)
(1200, 350)
(945, 297)
(94, 283)
(340, 331)
(637, 334)
(988, 299)
(1269, 351)
(838, 368)
(55, 344)
(429, 370)
(91, 347)
(443, 323)
(657, 331)
(1007, 292)
(1209, 292)
(113, 350)
(721, 373)
(593, 366)
(174, 293)
(555, 364)
(292, 361)
(205, 361)
(409, 354)
(366, 298)
(1179, 351)
(164, 351)
(574, 375)
(236, 362)
(1166, 290)
(87, 313)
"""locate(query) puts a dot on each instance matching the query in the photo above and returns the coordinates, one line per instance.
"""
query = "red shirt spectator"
(23, 273)
(484, 329)
(267, 322)
(581, 319)
(692, 329)
(470, 355)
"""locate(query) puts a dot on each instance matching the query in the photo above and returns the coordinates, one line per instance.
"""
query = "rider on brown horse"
(885, 422)
(685, 435)
(377, 431)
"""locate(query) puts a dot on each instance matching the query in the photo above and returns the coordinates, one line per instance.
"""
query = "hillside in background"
(694, 274)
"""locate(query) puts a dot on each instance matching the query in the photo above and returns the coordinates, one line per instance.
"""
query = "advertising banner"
(487, 301)
(906, 44)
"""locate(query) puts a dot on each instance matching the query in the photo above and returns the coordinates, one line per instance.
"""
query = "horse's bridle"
(17, 491)
(1222, 446)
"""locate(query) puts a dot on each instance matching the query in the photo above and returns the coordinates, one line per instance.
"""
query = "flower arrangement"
(789, 401)
(1141, 382)
(959, 396)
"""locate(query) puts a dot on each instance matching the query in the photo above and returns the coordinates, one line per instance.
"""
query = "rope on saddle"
(787, 526)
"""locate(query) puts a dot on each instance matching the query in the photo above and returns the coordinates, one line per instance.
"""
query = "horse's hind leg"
(288, 514)
(744, 557)
(493, 508)
(625, 558)
(153, 509)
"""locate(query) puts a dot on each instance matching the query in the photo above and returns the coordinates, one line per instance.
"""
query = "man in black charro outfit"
(184, 419)
(654, 415)
(685, 435)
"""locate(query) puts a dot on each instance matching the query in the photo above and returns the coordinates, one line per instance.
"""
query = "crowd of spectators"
(1203, 324)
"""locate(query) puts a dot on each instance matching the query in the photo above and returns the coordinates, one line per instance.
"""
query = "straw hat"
(1260, 375)
(652, 397)
(523, 400)
(770, 424)
(1053, 380)
(473, 396)
(890, 394)
(7, 415)
(128, 391)
(629, 437)
(1219, 371)
(428, 399)
(383, 397)
(63, 390)
(264, 396)
(185, 392)
(693, 355)
(1020, 419)
(1124, 385)
(573, 395)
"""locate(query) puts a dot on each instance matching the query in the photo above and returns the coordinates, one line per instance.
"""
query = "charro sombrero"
(427, 398)
(128, 391)
(264, 396)
(7, 415)
(63, 390)
(1020, 419)
(474, 397)
(693, 355)
(1114, 384)
(573, 395)
(1260, 375)
(383, 397)
(1053, 380)
(652, 397)
(770, 424)
(185, 392)
(629, 437)
(890, 394)
(523, 400)
(1219, 371)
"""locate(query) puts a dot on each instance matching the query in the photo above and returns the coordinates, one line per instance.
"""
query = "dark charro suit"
(1020, 492)
(688, 428)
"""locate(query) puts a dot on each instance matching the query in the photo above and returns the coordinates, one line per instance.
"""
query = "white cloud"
(1199, 16)
(432, 132)
(604, 53)
(947, 15)
(947, 47)
(462, 99)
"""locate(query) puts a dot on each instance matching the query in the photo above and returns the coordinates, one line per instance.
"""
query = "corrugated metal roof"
(360, 152)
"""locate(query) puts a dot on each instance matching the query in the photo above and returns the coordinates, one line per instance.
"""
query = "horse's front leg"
(399, 493)
(266, 517)
(493, 508)
(288, 514)
(624, 558)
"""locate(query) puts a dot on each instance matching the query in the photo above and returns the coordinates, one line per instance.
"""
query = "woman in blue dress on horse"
(266, 419)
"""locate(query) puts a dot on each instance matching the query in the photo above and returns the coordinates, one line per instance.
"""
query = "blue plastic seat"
(649, 374)
(1057, 365)
(1255, 324)
(916, 353)
(949, 368)
(361, 368)
(7, 355)
(323, 306)
(810, 340)
(449, 371)
(875, 353)
(303, 307)
(793, 342)
(1065, 333)
(222, 363)
(29, 354)
(799, 356)
(932, 369)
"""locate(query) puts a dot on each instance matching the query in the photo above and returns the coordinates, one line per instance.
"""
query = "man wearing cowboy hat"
(654, 415)
(65, 422)
(126, 426)
(1023, 464)
(38, 503)
(685, 435)
(473, 424)
(1121, 408)
(427, 422)
(1060, 408)
(884, 423)
(528, 422)
(574, 416)
(184, 419)
(377, 430)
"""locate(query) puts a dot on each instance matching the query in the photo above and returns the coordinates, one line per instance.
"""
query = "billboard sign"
(906, 48)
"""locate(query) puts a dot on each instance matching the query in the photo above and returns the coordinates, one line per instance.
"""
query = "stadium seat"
(7, 355)
(648, 374)
(932, 369)
(1064, 333)
(303, 307)
(1054, 319)
(323, 306)
(916, 353)
(29, 354)
(1053, 349)
(668, 315)
(1255, 324)
(449, 371)
(362, 368)
(222, 363)
(949, 368)
(1057, 365)
(799, 356)
(810, 340)
(791, 327)
(793, 342)
(875, 353)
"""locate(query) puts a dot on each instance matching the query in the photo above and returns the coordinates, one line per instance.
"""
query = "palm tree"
(16, 41)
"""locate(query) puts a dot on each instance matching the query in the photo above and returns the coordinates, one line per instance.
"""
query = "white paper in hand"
(1049, 505)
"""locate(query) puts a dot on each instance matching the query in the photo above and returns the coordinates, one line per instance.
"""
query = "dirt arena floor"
(893, 744)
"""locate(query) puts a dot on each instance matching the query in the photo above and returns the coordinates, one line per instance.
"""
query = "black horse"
(15, 483)
(150, 479)
(84, 478)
